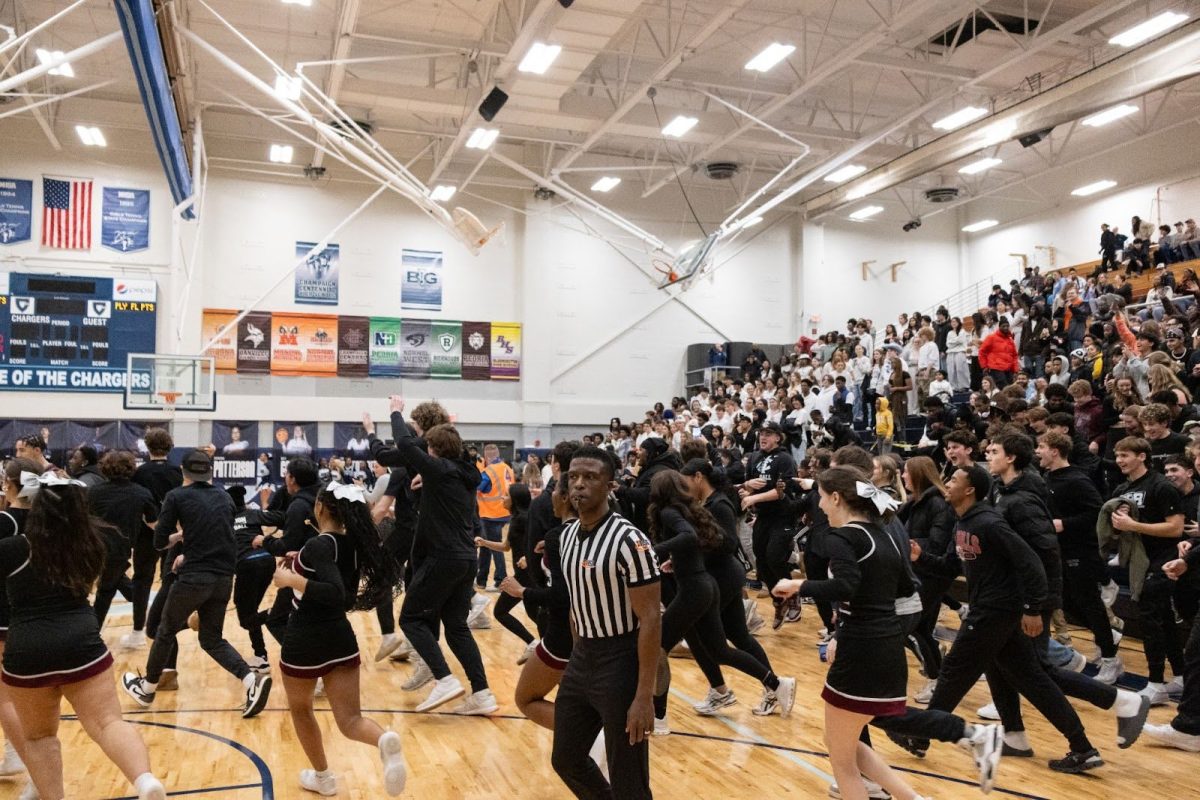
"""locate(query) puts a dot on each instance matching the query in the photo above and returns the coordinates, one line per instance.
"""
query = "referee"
(613, 581)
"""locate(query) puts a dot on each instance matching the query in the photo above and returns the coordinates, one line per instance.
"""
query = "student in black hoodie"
(160, 477)
(1006, 585)
(654, 456)
(129, 509)
(255, 569)
(443, 575)
(301, 484)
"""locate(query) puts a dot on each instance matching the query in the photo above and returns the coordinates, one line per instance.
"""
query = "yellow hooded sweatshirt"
(884, 426)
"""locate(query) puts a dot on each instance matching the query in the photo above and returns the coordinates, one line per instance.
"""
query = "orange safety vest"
(491, 503)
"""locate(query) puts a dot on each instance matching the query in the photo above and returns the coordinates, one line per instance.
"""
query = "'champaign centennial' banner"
(317, 277)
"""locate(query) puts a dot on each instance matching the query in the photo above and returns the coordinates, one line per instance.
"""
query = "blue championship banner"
(317, 277)
(125, 219)
(16, 210)
(421, 286)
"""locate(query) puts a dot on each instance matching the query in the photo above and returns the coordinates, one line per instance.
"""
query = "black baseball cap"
(198, 466)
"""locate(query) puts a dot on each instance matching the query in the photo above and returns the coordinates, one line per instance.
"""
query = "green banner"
(385, 347)
(446, 353)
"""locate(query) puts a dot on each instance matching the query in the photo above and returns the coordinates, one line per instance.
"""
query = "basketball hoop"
(168, 402)
(666, 269)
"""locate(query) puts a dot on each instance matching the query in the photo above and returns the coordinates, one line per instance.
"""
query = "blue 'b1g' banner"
(125, 219)
(421, 288)
(16, 210)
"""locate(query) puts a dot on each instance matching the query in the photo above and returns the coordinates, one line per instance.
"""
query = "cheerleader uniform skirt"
(313, 650)
(55, 651)
(868, 676)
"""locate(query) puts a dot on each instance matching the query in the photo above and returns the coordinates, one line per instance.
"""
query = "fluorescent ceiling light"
(606, 184)
(866, 213)
(281, 153)
(287, 87)
(679, 126)
(772, 55)
(482, 138)
(58, 58)
(1093, 188)
(975, 167)
(91, 136)
(982, 225)
(539, 58)
(442, 193)
(1110, 115)
(845, 173)
(960, 118)
(1148, 29)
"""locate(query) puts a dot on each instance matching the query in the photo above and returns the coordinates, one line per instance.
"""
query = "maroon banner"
(354, 336)
(254, 344)
(477, 351)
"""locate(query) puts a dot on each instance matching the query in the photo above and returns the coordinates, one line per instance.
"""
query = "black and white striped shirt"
(601, 566)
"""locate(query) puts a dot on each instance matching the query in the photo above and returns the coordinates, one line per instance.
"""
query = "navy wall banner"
(350, 441)
(421, 286)
(237, 440)
(317, 277)
(72, 333)
(125, 219)
(16, 210)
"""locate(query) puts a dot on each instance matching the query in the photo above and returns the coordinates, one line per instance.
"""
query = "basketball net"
(168, 400)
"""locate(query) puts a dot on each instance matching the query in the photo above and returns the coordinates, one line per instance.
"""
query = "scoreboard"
(68, 333)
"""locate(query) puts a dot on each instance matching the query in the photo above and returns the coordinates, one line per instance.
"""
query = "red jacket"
(999, 352)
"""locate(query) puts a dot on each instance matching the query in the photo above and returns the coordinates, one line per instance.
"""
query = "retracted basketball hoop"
(170, 383)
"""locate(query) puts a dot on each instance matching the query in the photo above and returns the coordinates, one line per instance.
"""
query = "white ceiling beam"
(342, 42)
(916, 67)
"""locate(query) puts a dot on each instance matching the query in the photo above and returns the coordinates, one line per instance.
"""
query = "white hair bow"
(883, 501)
(347, 491)
(30, 483)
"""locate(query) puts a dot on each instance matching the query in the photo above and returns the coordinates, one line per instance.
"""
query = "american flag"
(67, 213)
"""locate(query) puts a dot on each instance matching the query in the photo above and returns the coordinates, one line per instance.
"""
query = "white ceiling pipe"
(36, 29)
(22, 78)
(55, 99)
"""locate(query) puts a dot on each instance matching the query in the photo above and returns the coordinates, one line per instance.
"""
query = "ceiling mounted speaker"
(492, 104)
(1030, 139)
(565, 3)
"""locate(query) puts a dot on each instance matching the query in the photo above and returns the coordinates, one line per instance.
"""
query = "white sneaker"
(755, 621)
(1077, 663)
(321, 783)
(874, 791)
(988, 712)
(528, 652)
(30, 792)
(478, 603)
(403, 653)
(259, 664)
(714, 702)
(767, 706)
(963, 610)
(925, 693)
(421, 675)
(478, 704)
(1157, 692)
(388, 645)
(12, 764)
(479, 622)
(1167, 735)
(786, 694)
(1175, 687)
(395, 771)
(443, 691)
(1110, 670)
(661, 727)
(149, 787)
(599, 754)
(133, 640)
(987, 745)
(1109, 592)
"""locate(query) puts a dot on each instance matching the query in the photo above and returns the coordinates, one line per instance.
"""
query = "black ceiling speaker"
(492, 104)
(565, 3)
(1030, 139)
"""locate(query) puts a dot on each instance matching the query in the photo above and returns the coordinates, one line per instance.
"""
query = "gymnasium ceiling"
(861, 72)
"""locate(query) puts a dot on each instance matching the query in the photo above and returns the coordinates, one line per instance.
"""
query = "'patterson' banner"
(125, 219)
(506, 351)
(477, 351)
(304, 344)
(16, 210)
(421, 287)
(317, 277)
(385, 347)
(354, 335)
(414, 357)
(224, 350)
(446, 358)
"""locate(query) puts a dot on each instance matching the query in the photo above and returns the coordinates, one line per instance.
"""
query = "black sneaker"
(1075, 763)
(918, 747)
(1130, 728)
(1008, 751)
(780, 609)
(135, 687)
(256, 696)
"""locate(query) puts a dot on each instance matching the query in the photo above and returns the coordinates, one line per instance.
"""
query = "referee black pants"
(772, 548)
(597, 689)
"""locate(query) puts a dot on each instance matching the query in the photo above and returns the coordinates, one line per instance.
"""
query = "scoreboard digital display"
(68, 333)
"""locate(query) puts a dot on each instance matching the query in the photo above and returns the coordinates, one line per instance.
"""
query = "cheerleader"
(53, 648)
(12, 520)
(344, 568)
(869, 674)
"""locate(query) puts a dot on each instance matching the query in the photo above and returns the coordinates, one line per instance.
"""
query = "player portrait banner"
(223, 350)
(415, 348)
(125, 219)
(235, 440)
(317, 277)
(477, 351)
(16, 210)
(67, 213)
(421, 284)
(506, 351)
(385, 347)
(254, 344)
(350, 440)
(354, 353)
(295, 439)
(304, 344)
(446, 353)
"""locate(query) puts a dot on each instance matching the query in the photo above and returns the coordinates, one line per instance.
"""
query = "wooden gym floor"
(201, 747)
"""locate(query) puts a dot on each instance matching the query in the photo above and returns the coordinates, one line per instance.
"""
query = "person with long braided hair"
(53, 648)
(344, 568)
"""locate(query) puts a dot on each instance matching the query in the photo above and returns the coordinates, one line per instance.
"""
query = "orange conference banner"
(224, 350)
(304, 344)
